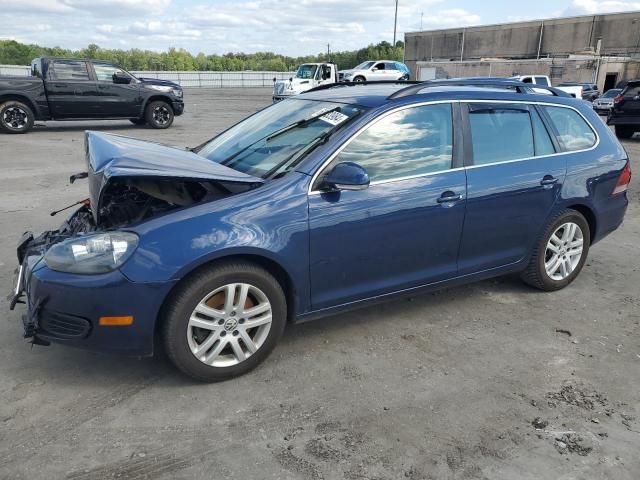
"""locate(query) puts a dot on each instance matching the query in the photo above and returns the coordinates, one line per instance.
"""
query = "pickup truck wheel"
(624, 131)
(15, 117)
(223, 321)
(138, 121)
(159, 114)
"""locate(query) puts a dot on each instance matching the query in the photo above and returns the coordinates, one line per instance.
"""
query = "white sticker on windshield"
(334, 118)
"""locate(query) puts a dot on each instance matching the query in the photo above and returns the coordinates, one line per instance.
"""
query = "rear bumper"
(623, 120)
(66, 308)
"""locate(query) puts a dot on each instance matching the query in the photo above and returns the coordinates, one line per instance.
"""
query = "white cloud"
(593, 6)
(293, 27)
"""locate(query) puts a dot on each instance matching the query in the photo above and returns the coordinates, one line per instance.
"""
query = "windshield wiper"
(277, 133)
(293, 159)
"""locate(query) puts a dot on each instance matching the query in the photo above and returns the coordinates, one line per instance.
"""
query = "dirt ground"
(493, 380)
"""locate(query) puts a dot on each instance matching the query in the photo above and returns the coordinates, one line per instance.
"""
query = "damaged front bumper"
(66, 308)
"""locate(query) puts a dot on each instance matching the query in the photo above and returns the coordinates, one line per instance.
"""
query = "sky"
(290, 27)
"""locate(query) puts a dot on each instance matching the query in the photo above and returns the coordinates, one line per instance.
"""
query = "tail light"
(619, 100)
(624, 180)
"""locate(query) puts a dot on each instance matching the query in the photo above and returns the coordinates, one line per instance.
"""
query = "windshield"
(263, 144)
(306, 71)
(364, 66)
(612, 93)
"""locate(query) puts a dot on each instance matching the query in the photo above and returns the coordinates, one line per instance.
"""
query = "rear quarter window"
(574, 133)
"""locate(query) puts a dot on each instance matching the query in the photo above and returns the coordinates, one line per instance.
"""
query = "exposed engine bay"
(130, 200)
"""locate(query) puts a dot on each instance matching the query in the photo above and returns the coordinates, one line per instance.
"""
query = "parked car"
(324, 202)
(603, 104)
(76, 89)
(385, 70)
(625, 114)
(308, 76)
(586, 91)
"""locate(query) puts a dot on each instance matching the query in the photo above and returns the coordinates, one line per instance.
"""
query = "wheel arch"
(275, 268)
(5, 97)
(154, 98)
(589, 215)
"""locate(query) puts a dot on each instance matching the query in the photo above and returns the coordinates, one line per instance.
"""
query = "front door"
(402, 231)
(116, 99)
(70, 89)
(513, 181)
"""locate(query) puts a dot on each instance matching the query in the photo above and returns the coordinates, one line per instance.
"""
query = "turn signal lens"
(116, 321)
(624, 180)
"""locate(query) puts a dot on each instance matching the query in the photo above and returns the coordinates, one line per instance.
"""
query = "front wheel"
(224, 321)
(560, 253)
(623, 131)
(359, 79)
(159, 114)
(15, 117)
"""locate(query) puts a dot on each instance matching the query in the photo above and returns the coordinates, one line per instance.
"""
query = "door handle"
(548, 180)
(449, 197)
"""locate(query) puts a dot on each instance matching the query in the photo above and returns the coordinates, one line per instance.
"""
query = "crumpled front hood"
(109, 156)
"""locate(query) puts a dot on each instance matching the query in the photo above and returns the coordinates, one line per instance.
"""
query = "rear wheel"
(624, 131)
(159, 114)
(560, 252)
(15, 117)
(222, 322)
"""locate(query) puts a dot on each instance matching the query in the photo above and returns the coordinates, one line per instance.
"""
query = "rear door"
(391, 71)
(71, 89)
(402, 231)
(513, 180)
(115, 99)
(630, 104)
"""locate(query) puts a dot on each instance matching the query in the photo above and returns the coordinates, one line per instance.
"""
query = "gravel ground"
(492, 380)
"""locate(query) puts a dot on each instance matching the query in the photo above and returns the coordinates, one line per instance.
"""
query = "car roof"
(373, 94)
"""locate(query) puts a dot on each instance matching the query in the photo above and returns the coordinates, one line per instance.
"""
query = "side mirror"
(374, 69)
(346, 176)
(121, 78)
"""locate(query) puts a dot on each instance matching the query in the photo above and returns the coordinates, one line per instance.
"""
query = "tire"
(159, 114)
(624, 131)
(206, 291)
(16, 117)
(537, 274)
(138, 121)
(359, 79)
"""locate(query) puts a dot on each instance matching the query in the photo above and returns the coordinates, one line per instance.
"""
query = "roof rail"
(353, 84)
(498, 82)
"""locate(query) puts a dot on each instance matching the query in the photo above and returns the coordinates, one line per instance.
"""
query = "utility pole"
(328, 52)
(395, 25)
(421, 16)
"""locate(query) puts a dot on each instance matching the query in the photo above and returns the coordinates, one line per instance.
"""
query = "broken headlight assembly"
(92, 254)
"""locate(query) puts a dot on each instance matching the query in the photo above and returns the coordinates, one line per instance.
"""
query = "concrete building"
(591, 48)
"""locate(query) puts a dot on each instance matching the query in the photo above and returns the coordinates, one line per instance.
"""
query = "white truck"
(574, 91)
(308, 76)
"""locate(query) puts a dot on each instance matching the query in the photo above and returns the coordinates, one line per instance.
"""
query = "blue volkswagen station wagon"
(323, 202)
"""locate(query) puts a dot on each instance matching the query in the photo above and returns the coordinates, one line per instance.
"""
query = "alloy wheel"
(229, 325)
(563, 251)
(161, 115)
(15, 117)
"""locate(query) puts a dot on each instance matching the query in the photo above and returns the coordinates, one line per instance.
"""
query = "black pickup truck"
(75, 89)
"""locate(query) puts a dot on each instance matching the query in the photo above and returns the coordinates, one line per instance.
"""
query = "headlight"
(160, 88)
(348, 75)
(92, 254)
(177, 92)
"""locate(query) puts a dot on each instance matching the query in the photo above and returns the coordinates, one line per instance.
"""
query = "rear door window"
(69, 70)
(501, 133)
(574, 133)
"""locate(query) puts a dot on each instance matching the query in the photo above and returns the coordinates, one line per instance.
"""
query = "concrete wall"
(620, 34)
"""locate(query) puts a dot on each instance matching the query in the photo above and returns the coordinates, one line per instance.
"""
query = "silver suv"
(375, 70)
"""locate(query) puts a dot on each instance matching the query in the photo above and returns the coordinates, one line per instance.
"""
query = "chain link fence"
(190, 78)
